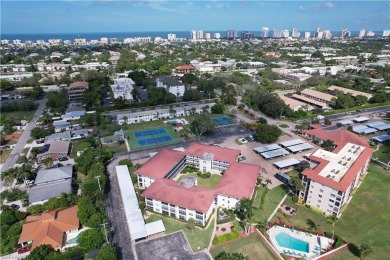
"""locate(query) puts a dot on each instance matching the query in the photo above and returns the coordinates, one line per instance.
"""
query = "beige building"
(329, 186)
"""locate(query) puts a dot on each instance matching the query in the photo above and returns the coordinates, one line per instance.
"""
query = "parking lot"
(173, 246)
(268, 169)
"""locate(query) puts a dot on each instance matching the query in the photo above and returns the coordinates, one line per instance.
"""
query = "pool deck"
(72, 235)
(312, 240)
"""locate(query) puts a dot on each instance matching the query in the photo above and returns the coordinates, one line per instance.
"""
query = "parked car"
(14, 206)
(241, 158)
(61, 159)
(29, 182)
(24, 250)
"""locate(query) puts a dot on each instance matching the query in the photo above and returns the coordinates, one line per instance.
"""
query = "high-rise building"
(370, 34)
(199, 34)
(362, 33)
(386, 33)
(319, 35)
(295, 33)
(171, 37)
(247, 35)
(327, 34)
(264, 32)
(207, 36)
(217, 36)
(318, 30)
(193, 35)
(345, 33)
(285, 34)
(276, 33)
(307, 35)
(231, 34)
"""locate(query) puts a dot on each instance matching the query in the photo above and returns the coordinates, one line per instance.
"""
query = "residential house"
(172, 85)
(61, 126)
(51, 183)
(123, 87)
(76, 91)
(185, 69)
(57, 149)
(61, 136)
(49, 228)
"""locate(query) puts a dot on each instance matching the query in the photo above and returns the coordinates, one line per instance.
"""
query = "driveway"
(13, 157)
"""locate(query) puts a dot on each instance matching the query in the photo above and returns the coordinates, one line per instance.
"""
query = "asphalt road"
(13, 157)
(367, 111)
(120, 235)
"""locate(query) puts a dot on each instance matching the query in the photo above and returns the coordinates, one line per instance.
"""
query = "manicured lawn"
(252, 246)
(199, 239)
(259, 193)
(365, 220)
(211, 182)
(273, 198)
(383, 154)
(4, 155)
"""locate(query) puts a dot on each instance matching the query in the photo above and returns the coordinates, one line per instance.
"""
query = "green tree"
(229, 95)
(7, 217)
(231, 256)
(327, 121)
(6, 85)
(328, 145)
(86, 209)
(267, 133)
(202, 124)
(107, 252)
(191, 224)
(262, 120)
(189, 79)
(127, 162)
(379, 98)
(244, 209)
(36, 92)
(40, 252)
(191, 95)
(90, 239)
(332, 219)
(48, 162)
(365, 250)
(218, 108)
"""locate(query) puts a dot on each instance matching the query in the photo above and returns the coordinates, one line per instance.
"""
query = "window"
(320, 196)
(332, 195)
(340, 193)
(321, 191)
(319, 201)
(199, 217)
(331, 200)
(337, 204)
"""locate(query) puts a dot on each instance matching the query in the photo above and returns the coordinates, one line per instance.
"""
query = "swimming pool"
(72, 241)
(287, 241)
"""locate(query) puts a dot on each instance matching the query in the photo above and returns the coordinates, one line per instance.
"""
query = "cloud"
(301, 8)
(163, 6)
(217, 5)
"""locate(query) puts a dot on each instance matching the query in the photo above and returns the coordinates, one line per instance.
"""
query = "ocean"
(122, 35)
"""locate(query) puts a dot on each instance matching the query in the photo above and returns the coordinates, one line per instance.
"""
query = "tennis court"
(150, 132)
(150, 137)
(222, 121)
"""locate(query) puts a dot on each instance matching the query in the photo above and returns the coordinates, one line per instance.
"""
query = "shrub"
(227, 237)
(262, 201)
(126, 162)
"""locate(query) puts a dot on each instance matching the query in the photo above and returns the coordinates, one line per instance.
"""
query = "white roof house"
(123, 87)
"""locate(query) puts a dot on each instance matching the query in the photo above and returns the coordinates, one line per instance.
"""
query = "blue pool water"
(285, 240)
(72, 241)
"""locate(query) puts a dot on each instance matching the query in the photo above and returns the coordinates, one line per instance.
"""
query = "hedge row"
(262, 201)
(338, 241)
(227, 237)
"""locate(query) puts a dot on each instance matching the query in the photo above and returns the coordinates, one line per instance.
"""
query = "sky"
(71, 16)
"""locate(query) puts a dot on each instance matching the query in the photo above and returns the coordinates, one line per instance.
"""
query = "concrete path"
(276, 209)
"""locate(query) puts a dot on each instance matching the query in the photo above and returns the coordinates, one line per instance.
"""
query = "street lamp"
(98, 178)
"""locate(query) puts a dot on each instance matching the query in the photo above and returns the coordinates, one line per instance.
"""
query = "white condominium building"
(329, 186)
(123, 87)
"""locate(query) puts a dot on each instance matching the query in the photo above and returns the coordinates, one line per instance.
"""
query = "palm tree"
(365, 250)
(245, 209)
(267, 182)
(48, 161)
(332, 219)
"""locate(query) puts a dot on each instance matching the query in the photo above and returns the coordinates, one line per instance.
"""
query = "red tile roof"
(79, 84)
(239, 180)
(160, 164)
(346, 181)
(185, 67)
(338, 136)
(169, 191)
(315, 126)
(48, 228)
(220, 153)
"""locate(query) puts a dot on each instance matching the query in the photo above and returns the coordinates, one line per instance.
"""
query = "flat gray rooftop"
(173, 246)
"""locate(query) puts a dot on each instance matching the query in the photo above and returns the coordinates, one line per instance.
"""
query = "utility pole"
(105, 233)
(98, 178)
